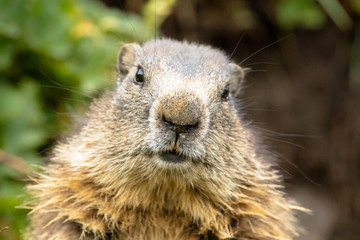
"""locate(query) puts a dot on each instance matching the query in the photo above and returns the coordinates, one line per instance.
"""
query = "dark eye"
(226, 92)
(139, 76)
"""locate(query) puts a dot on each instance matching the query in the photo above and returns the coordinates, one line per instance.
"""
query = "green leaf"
(304, 13)
(7, 50)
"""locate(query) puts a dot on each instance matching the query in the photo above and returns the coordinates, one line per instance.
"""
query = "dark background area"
(302, 90)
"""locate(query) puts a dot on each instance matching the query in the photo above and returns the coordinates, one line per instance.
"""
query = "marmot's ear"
(237, 78)
(127, 58)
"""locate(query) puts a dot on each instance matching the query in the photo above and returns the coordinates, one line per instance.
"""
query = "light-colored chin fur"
(138, 197)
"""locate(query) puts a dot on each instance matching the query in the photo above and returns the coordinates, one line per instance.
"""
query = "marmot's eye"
(226, 92)
(139, 76)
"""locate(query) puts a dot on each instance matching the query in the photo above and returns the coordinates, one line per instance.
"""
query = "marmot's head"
(178, 98)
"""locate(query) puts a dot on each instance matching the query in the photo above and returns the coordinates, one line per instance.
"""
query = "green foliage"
(312, 14)
(53, 55)
(337, 13)
(355, 4)
(303, 13)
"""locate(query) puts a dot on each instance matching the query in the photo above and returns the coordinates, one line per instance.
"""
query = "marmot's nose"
(181, 113)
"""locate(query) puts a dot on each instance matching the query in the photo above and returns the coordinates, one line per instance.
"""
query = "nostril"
(179, 128)
(192, 126)
(168, 123)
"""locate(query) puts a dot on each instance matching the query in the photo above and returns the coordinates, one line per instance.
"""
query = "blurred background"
(302, 92)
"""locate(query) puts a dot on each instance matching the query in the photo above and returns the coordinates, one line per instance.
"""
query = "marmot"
(165, 155)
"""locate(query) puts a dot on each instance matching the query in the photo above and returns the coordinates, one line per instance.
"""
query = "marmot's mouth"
(172, 156)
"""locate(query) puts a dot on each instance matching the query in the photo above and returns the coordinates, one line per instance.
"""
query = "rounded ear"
(237, 78)
(127, 57)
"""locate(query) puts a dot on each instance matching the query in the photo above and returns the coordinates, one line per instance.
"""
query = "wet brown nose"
(181, 113)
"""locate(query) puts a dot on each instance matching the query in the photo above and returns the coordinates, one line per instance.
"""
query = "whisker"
(237, 44)
(263, 48)
(261, 63)
(60, 86)
(287, 142)
(256, 70)
(263, 130)
(280, 156)
(122, 5)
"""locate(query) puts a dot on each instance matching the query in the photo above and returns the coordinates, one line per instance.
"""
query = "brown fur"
(108, 181)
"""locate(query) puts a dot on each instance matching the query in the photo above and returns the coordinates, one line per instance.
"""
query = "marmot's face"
(179, 96)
